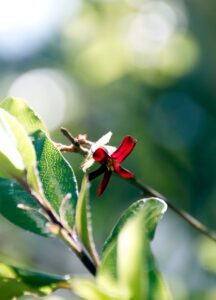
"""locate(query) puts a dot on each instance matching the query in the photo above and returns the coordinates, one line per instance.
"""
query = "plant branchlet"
(146, 190)
(58, 226)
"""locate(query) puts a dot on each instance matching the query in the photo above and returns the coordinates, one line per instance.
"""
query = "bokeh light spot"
(44, 90)
(151, 29)
(26, 25)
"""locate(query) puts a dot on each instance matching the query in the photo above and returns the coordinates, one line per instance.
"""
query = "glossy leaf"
(15, 282)
(132, 255)
(83, 219)
(157, 286)
(13, 194)
(25, 149)
(90, 290)
(11, 162)
(154, 209)
(24, 114)
(136, 270)
(131, 273)
(56, 175)
(58, 180)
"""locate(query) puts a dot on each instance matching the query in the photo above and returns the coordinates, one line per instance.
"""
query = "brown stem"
(75, 144)
(79, 251)
(148, 191)
(151, 192)
(63, 232)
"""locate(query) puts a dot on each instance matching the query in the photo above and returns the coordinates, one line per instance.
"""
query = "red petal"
(92, 175)
(99, 155)
(124, 149)
(104, 182)
(123, 172)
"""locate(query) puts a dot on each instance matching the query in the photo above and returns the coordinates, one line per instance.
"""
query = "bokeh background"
(140, 67)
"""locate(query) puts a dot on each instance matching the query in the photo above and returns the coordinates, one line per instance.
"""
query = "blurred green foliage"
(145, 68)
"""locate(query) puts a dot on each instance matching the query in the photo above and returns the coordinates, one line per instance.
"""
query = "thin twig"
(151, 192)
(75, 144)
(79, 251)
(148, 191)
(63, 232)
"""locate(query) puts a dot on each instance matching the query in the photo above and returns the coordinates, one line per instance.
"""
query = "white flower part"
(110, 149)
(89, 161)
(101, 142)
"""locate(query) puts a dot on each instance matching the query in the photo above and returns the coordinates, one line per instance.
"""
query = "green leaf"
(15, 282)
(49, 297)
(24, 114)
(131, 273)
(58, 180)
(154, 209)
(89, 290)
(24, 147)
(136, 270)
(13, 194)
(132, 255)
(11, 162)
(56, 175)
(83, 219)
(157, 287)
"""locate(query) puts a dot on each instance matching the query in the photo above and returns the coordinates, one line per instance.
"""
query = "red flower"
(111, 163)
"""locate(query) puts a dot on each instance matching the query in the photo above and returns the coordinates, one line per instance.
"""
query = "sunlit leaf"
(56, 175)
(58, 180)
(136, 270)
(132, 255)
(24, 114)
(154, 209)
(128, 269)
(25, 149)
(49, 297)
(151, 210)
(83, 219)
(15, 282)
(11, 162)
(89, 290)
(12, 193)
